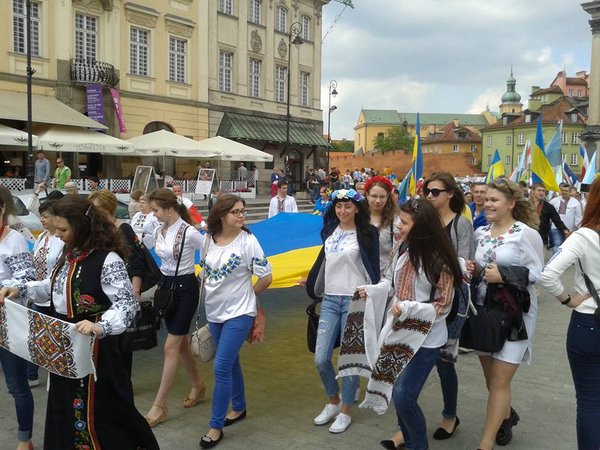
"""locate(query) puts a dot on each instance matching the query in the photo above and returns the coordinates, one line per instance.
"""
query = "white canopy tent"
(234, 151)
(12, 137)
(63, 138)
(165, 143)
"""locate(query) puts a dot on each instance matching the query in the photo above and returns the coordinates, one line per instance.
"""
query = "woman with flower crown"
(384, 216)
(349, 258)
(90, 287)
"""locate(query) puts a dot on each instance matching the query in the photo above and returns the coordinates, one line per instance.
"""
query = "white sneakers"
(328, 413)
(341, 422)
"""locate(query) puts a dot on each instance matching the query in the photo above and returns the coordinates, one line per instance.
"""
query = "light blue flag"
(553, 149)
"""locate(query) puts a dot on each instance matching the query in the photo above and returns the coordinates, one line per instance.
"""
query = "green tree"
(395, 138)
(342, 146)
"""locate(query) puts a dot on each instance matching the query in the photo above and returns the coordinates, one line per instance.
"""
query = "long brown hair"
(91, 229)
(389, 209)
(7, 203)
(524, 211)
(591, 215)
(428, 242)
(457, 201)
(166, 198)
(106, 199)
(224, 204)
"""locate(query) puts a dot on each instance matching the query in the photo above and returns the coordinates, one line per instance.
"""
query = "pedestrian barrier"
(13, 184)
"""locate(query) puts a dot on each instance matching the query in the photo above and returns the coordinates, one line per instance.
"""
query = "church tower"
(511, 100)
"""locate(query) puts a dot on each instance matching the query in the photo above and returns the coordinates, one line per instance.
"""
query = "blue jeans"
(556, 239)
(449, 382)
(334, 312)
(14, 368)
(406, 393)
(583, 350)
(228, 337)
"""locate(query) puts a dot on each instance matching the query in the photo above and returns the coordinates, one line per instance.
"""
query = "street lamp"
(332, 93)
(293, 38)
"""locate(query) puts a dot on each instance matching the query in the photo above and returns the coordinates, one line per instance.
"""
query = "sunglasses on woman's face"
(435, 192)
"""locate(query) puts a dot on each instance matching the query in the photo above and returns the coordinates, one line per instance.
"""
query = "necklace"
(76, 256)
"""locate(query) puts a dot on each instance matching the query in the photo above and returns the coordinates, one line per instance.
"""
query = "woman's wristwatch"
(566, 301)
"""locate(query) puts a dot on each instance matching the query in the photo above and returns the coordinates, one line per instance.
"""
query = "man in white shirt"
(570, 212)
(282, 202)
(242, 172)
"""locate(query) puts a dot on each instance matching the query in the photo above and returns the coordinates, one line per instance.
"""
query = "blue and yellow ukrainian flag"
(291, 242)
(496, 169)
(541, 170)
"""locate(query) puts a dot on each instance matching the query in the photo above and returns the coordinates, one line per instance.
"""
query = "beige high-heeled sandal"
(159, 419)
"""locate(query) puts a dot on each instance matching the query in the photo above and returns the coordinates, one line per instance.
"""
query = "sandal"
(159, 419)
(189, 401)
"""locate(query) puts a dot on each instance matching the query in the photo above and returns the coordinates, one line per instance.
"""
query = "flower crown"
(379, 179)
(350, 194)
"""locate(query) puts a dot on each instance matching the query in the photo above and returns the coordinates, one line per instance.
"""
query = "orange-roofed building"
(454, 139)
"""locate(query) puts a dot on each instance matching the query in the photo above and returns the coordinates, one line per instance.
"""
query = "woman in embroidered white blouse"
(144, 222)
(232, 257)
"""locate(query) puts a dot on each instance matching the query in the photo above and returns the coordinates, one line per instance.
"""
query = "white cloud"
(446, 56)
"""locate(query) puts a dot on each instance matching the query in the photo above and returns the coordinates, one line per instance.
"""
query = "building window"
(574, 117)
(304, 93)
(456, 148)
(489, 159)
(579, 93)
(473, 148)
(570, 92)
(225, 71)
(527, 118)
(20, 27)
(574, 159)
(139, 49)
(507, 159)
(226, 6)
(305, 34)
(177, 55)
(508, 140)
(281, 19)
(85, 37)
(254, 70)
(563, 137)
(521, 139)
(505, 119)
(255, 11)
(473, 161)
(489, 141)
(280, 83)
(574, 138)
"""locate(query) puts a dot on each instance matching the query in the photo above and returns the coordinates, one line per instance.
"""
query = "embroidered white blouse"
(46, 252)
(167, 247)
(344, 270)
(15, 259)
(228, 277)
(115, 285)
(144, 226)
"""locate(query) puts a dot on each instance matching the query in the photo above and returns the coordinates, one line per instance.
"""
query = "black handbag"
(312, 327)
(141, 334)
(488, 329)
(152, 273)
(165, 299)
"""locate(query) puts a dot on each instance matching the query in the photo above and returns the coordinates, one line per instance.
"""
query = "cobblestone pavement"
(284, 394)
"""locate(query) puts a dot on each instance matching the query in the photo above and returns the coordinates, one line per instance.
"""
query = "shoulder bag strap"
(588, 283)
(179, 258)
(202, 277)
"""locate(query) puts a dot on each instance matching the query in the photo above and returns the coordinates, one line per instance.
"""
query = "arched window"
(156, 126)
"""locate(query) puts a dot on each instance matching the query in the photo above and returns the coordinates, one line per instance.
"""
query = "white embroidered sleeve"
(117, 287)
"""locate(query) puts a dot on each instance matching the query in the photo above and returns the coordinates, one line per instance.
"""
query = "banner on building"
(95, 100)
(118, 109)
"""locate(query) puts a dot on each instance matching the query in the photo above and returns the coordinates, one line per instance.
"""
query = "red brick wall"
(399, 163)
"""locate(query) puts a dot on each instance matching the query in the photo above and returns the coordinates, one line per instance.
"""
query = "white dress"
(519, 246)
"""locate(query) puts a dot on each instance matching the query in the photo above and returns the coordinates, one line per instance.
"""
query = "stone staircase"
(258, 208)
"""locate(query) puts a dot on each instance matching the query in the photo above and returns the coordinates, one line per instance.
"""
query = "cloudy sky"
(445, 55)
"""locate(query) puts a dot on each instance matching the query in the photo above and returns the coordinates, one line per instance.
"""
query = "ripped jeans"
(332, 321)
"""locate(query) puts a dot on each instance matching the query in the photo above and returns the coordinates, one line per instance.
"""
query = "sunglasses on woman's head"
(435, 192)
(414, 205)
(504, 182)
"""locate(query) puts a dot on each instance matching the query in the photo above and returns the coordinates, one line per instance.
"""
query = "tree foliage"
(395, 138)
(342, 146)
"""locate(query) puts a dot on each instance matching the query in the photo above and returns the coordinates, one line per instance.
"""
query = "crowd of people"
(417, 269)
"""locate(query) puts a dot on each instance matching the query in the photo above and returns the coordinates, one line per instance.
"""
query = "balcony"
(87, 71)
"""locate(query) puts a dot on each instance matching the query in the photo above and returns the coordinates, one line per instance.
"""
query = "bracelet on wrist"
(566, 301)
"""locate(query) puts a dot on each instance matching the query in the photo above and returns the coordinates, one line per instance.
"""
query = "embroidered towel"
(50, 343)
